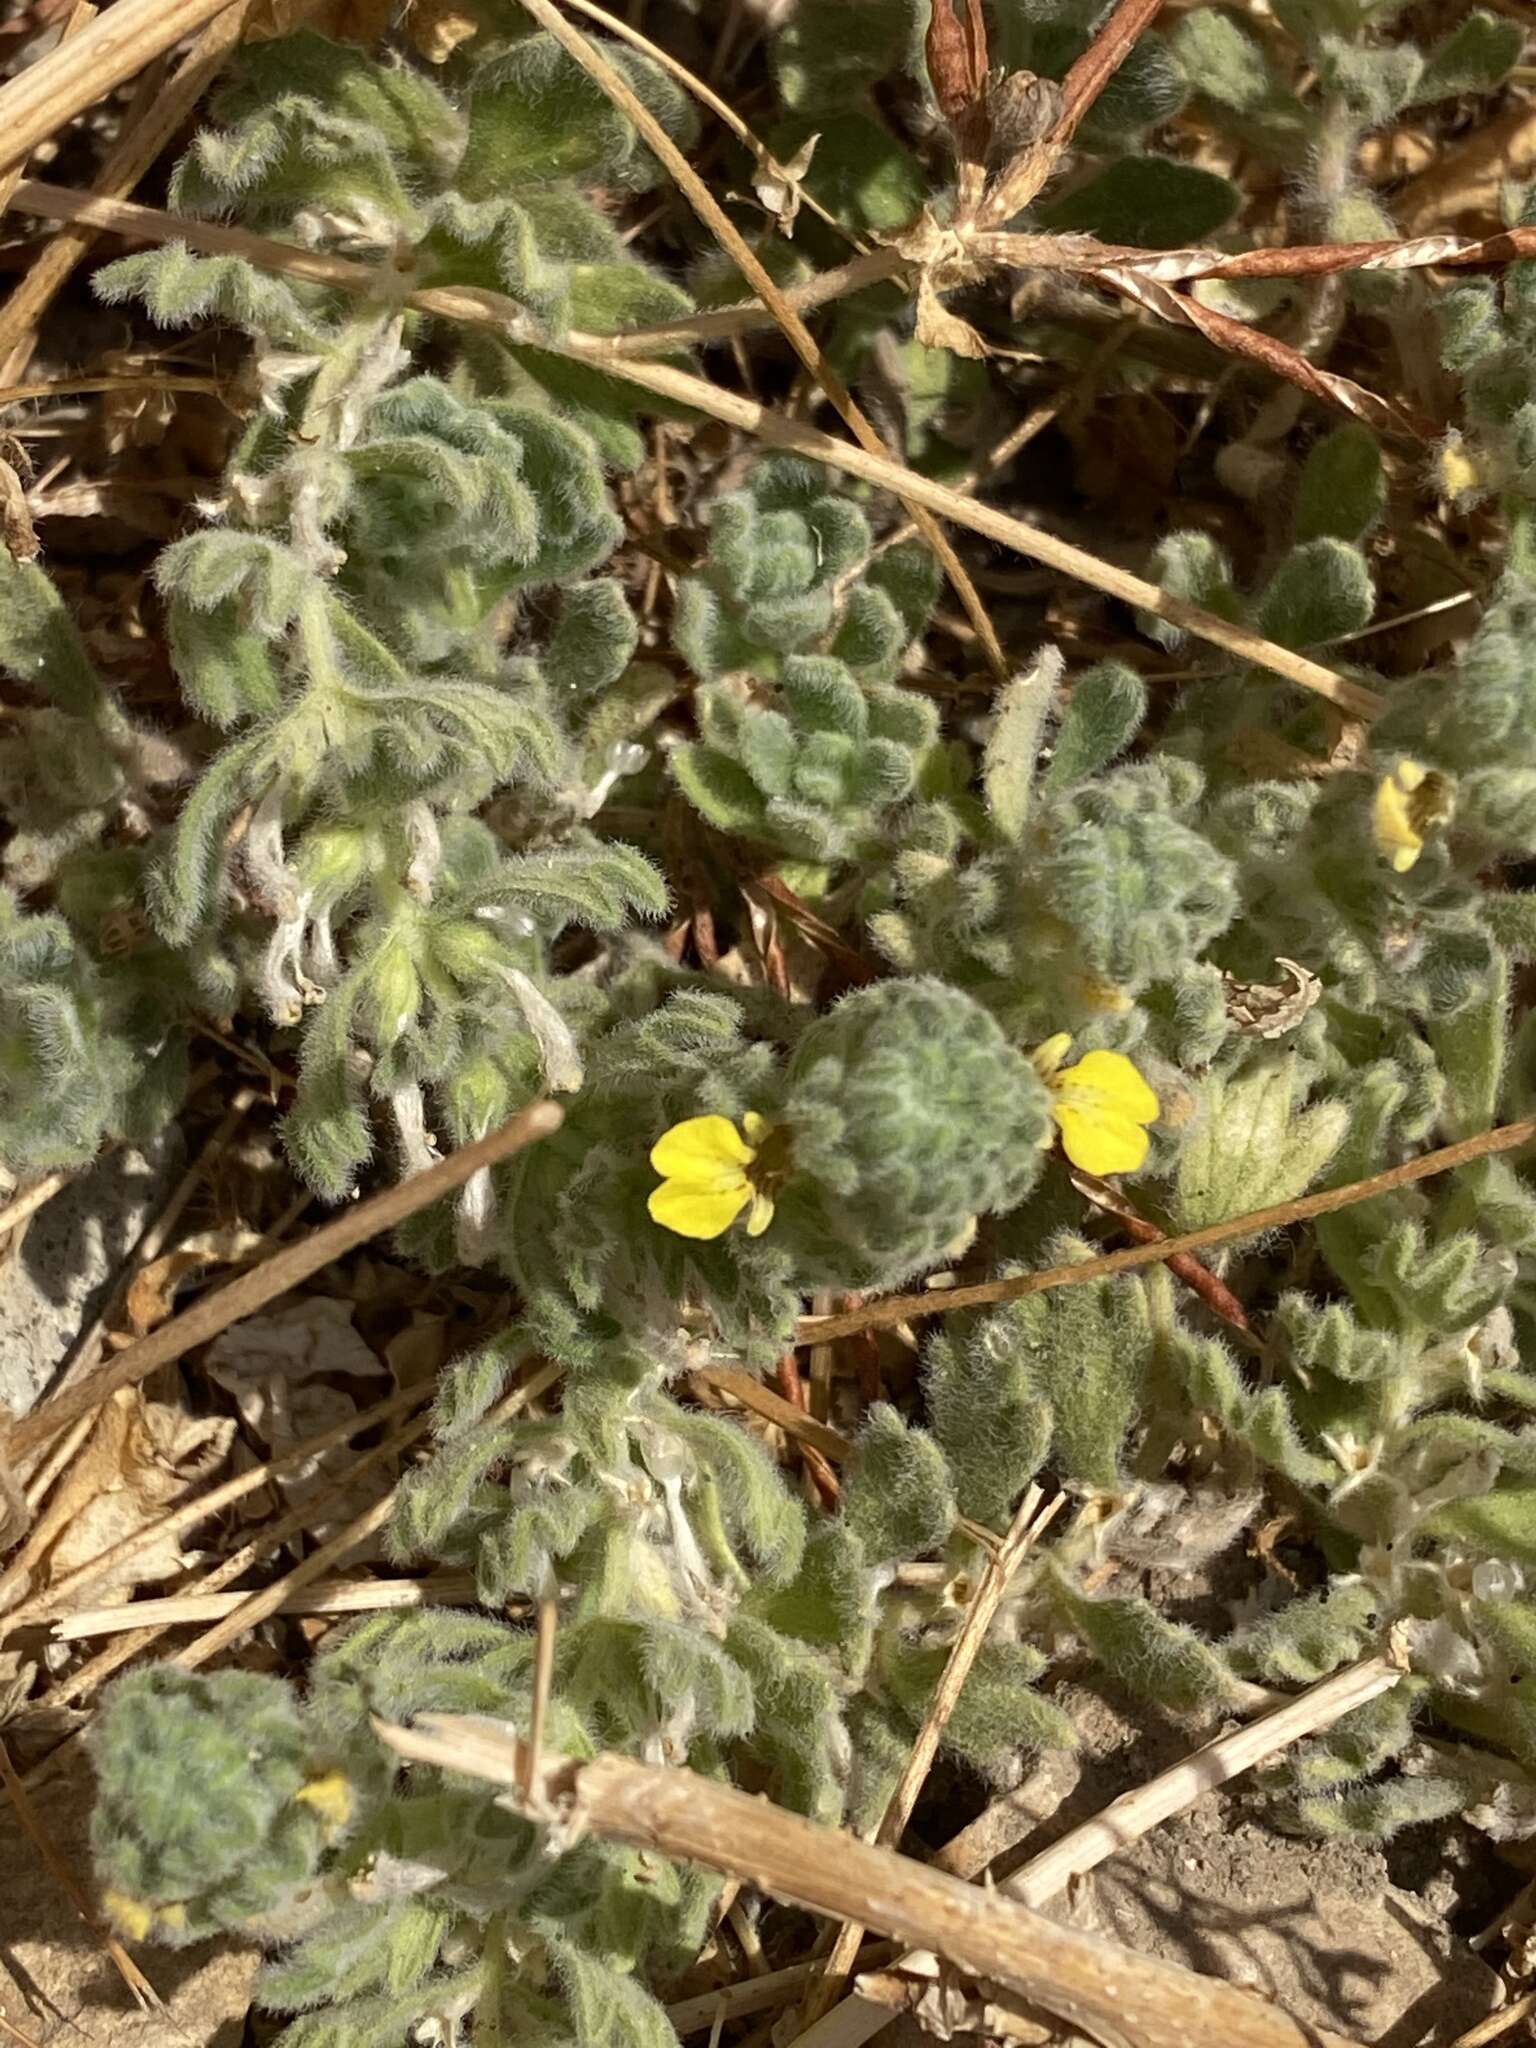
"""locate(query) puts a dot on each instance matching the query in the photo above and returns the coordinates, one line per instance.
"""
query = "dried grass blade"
(253, 1290)
(490, 309)
(49, 93)
(747, 261)
(1237, 338)
(904, 1308)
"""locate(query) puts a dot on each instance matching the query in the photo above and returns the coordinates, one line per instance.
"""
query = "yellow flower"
(711, 1172)
(1409, 803)
(131, 1915)
(1458, 470)
(331, 1797)
(1101, 1106)
(138, 1920)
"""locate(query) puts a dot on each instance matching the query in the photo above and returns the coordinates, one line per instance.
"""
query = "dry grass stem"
(750, 264)
(251, 1291)
(81, 15)
(1108, 1992)
(761, 1994)
(336, 1596)
(54, 1601)
(543, 1678)
(490, 309)
(750, 1391)
(707, 97)
(260, 1606)
(1029, 1523)
(903, 1308)
(127, 162)
(48, 94)
(751, 316)
(1174, 1791)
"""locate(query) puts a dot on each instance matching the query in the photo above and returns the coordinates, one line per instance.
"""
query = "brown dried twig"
(1108, 1992)
(131, 156)
(75, 75)
(749, 1390)
(750, 264)
(1215, 1293)
(491, 309)
(904, 1308)
(1087, 78)
(1029, 1524)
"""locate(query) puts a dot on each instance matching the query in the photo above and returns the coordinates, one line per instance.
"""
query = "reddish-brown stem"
(1099, 63)
(1216, 1295)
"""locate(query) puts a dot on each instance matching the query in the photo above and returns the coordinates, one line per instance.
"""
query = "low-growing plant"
(1142, 933)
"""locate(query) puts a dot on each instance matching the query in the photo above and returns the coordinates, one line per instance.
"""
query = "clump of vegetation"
(1139, 932)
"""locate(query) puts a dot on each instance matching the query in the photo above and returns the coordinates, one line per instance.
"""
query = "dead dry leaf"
(777, 184)
(152, 1295)
(281, 1370)
(16, 531)
(937, 327)
(142, 1458)
(16, 1679)
(1260, 1010)
(438, 27)
(418, 1353)
(307, 1337)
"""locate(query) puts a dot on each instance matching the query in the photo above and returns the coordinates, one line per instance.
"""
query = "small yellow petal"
(132, 1915)
(1100, 1106)
(173, 1916)
(1114, 1082)
(695, 1211)
(1459, 470)
(1100, 1143)
(756, 1127)
(761, 1216)
(1046, 1058)
(331, 1797)
(700, 1148)
(1397, 838)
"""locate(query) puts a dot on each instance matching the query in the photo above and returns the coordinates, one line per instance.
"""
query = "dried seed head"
(1023, 109)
